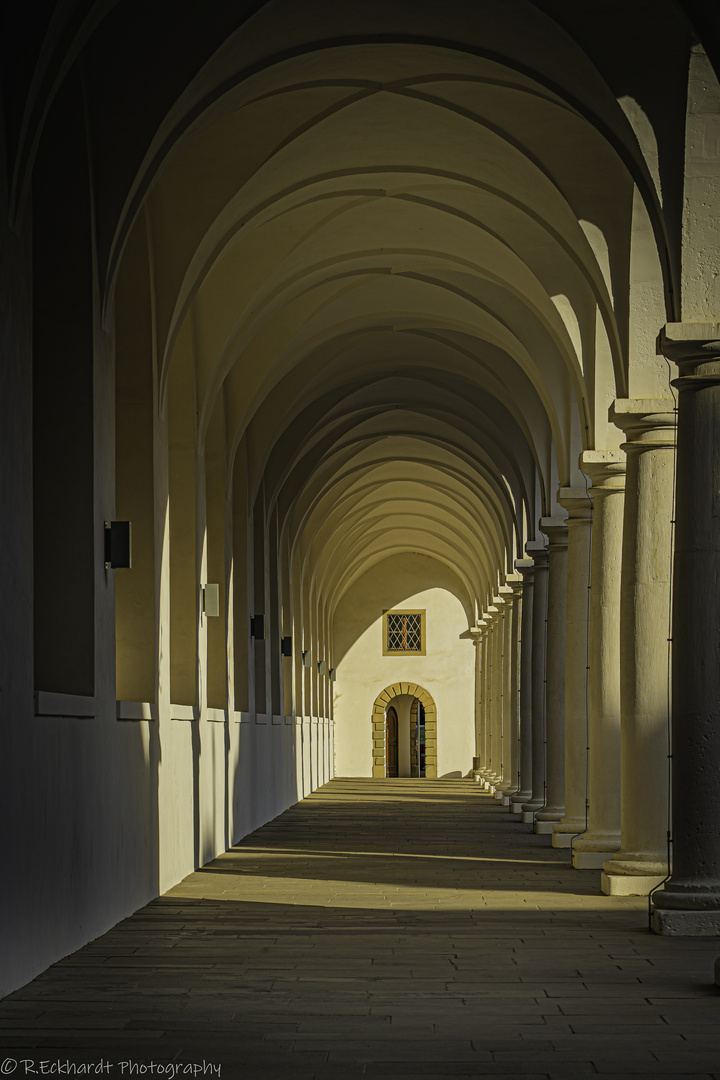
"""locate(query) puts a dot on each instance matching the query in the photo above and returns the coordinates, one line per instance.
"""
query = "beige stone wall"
(443, 679)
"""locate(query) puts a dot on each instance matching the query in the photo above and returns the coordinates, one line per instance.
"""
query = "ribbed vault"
(398, 274)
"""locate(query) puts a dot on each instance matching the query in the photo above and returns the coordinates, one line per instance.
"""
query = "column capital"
(514, 582)
(606, 469)
(538, 552)
(577, 502)
(694, 347)
(556, 530)
(526, 567)
(647, 422)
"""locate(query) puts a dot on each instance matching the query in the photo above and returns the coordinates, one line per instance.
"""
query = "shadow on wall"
(402, 576)
(455, 775)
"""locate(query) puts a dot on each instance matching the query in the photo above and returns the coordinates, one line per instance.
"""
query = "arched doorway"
(423, 731)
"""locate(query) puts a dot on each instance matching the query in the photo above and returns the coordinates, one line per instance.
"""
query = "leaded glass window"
(404, 632)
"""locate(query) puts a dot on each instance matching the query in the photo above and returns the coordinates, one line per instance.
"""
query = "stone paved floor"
(381, 928)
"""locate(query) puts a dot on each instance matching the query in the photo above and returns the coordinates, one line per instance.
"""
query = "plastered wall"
(446, 671)
(118, 811)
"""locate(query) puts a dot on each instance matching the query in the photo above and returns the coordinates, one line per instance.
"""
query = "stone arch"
(378, 726)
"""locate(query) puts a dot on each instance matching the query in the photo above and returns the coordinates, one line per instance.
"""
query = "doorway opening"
(417, 739)
(405, 750)
(404, 732)
(391, 742)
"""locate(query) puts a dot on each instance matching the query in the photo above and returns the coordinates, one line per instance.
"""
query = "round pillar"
(499, 697)
(606, 469)
(526, 567)
(485, 700)
(641, 862)
(539, 555)
(579, 508)
(508, 764)
(517, 588)
(554, 808)
(476, 633)
(689, 903)
(494, 725)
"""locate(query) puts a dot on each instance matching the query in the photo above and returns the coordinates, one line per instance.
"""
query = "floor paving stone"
(379, 928)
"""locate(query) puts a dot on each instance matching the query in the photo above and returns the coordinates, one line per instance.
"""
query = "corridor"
(379, 928)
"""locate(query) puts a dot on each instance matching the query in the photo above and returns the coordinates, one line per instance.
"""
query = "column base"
(528, 817)
(675, 923)
(565, 831)
(629, 884)
(547, 817)
(543, 828)
(589, 860)
(592, 850)
(633, 873)
(517, 800)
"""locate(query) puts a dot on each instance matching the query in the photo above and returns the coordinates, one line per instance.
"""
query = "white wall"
(117, 811)
(446, 671)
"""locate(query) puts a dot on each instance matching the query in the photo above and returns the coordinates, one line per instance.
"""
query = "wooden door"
(391, 742)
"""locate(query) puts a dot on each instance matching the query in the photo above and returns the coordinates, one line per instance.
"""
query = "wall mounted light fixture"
(322, 667)
(211, 600)
(331, 675)
(257, 627)
(306, 659)
(118, 545)
(286, 646)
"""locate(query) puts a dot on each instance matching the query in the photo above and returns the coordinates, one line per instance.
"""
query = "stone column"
(517, 587)
(526, 567)
(641, 862)
(505, 701)
(606, 469)
(496, 777)
(485, 700)
(508, 784)
(476, 635)
(689, 903)
(574, 821)
(493, 740)
(553, 809)
(538, 552)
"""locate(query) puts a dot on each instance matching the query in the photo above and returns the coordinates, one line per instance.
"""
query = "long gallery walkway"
(381, 928)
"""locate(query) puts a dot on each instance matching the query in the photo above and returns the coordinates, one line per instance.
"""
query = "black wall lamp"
(286, 646)
(257, 627)
(118, 545)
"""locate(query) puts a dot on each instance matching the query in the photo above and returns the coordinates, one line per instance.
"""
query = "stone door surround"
(378, 726)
